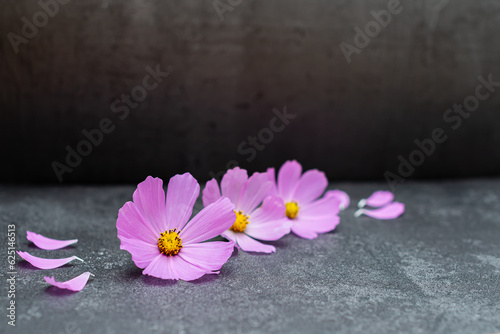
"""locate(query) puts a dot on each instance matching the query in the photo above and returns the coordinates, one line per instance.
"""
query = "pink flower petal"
(310, 186)
(46, 263)
(249, 244)
(132, 225)
(232, 184)
(320, 224)
(142, 252)
(341, 196)
(317, 217)
(256, 189)
(377, 199)
(211, 193)
(231, 236)
(327, 206)
(390, 211)
(270, 231)
(46, 243)
(208, 256)
(149, 199)
(269, 222)
(271, 176)
(182, 192)
(288, 177)
(173, 267)
(209, 222)
(303, 231)
(75, 284)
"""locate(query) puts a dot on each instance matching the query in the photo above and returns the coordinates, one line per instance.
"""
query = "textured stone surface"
(434, 270)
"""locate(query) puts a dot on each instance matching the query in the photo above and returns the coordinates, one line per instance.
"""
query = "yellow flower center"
(241, 222)
(292, 210)
(169, 242)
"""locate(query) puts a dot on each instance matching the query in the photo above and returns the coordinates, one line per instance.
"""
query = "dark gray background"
(353, 120)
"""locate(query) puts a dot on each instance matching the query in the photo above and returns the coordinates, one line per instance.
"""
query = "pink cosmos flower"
(156, 232)
(252, 222)
(300, 192)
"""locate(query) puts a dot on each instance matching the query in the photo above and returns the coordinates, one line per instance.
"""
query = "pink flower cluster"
(246, 210)
(166, 242)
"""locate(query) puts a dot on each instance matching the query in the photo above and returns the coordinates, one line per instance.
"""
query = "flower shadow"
(33, 246)
(154, 281)
(205, 279)
(281, 243)
(136, 273)
(26, 265)
(55, 291)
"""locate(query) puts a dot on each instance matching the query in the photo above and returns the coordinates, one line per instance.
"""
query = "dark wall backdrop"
(352, 120)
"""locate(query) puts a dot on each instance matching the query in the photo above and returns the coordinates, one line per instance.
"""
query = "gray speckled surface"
(434, 270)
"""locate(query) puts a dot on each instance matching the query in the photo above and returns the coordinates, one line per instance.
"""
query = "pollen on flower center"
(292, 210)
(241, 222)
(169, 242)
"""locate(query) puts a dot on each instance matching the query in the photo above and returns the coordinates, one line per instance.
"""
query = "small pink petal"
(310, 186)
(288, 177)
(317, 221)
(75, 284)
(211, 193)
(46, 263)
(270, 231)
(325, 206)
(390, 211)
(303, 231)
(209, 256)
(249, 244)
(142, 252)
(132, 225)
(182, 192)
(268, 222)
(272, 208)
(149, 200)
(232, 184)
(317, 224)
(173, 267)
(209, 222)
(231, 236)
(271, 176)
(343, 198)
(46, 243)
(377, 199)
(256, 189)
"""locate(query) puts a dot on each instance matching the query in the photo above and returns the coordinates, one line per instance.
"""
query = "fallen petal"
(342, 196)
(75, 284)
(377, 199)
(390, 211)
(46, 243)
(46, 263)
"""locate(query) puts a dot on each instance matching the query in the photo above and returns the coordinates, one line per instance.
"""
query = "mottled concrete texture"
(434, 270)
